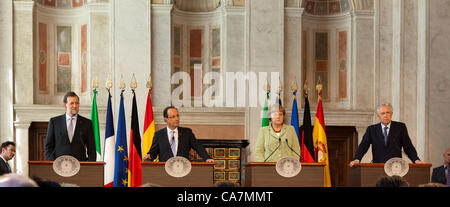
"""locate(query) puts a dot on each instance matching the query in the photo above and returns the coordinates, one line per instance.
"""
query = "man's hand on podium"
(354, 163)
(419, 162)
(210, 160)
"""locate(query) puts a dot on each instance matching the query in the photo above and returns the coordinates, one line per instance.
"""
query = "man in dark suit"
(8, 152)
(441, 174)
(387, 139)
(70, 133)
(174, 140)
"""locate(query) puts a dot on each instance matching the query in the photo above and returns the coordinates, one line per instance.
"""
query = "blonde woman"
(277, 140)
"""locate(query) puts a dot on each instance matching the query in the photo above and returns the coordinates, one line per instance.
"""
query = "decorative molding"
(342, 118)
(23, 6)
(197, 116)
(293, 12)
(364, 15)
(161, 8)
(51, 14)
(99, 7)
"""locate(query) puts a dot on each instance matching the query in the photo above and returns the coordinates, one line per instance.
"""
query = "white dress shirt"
(74, 123)
(175, 135)
(388, 129)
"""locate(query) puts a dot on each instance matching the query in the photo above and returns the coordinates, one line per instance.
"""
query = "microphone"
(279, 144)
(292, 149)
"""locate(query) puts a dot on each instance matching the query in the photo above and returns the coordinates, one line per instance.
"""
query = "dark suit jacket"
(438, 175)
(398, 137)
(58, 143)
(186, 141)
(3, 167)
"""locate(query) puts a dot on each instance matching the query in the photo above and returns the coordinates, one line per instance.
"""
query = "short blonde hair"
(275, 108)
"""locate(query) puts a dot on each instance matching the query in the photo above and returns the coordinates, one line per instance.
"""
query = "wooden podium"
(201, 175)
(90, 174)
(367, 174)
(264, 174)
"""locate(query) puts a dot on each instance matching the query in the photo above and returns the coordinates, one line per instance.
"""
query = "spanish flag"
(135, 159)
(149, 125)
(320, 142)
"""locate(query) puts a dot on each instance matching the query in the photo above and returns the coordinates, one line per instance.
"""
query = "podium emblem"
(396, 166)
(66, 166)
(288, 167)
(178, 167)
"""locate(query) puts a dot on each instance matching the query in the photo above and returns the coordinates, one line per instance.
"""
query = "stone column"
(21, 158)
(293, 55)
(23, 76)
(363, 56)
(161, 48)
(266, 54)
(6, 69)
(23, 51)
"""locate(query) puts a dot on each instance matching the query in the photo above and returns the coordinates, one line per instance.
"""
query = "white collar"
(169, 130)
(389, 125)
(3, 158)
(74, 117)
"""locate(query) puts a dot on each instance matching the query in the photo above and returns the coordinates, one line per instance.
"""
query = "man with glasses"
(174, 140)
(387, 139)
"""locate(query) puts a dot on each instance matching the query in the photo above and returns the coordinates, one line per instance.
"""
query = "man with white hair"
(387, 139)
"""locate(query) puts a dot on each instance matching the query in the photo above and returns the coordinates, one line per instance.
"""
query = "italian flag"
(95, 125)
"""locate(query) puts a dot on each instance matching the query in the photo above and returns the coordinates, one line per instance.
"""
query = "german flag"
(307, 146)
(135, 159)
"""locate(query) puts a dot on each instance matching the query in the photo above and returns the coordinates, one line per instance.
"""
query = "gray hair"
(383, 105)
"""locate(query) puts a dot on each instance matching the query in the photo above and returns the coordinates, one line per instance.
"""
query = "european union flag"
(121, 158)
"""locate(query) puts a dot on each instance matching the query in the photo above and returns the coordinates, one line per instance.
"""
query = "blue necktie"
(172, 143)
(385, 135)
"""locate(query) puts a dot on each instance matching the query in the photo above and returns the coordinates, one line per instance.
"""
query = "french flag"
(110, 143)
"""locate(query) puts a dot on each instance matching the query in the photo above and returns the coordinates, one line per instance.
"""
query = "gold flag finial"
(280, 86)
(319, 85)
(149, 81)
(306, 88)
(109, 82)
(95, 83)
(122, 83)
(294, 86)
(319, 88)
(133, 84)
(267, 87)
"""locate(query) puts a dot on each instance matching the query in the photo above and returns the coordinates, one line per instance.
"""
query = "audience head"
(226, 184)
(16, 180)
(45, 183)
(392, 181)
